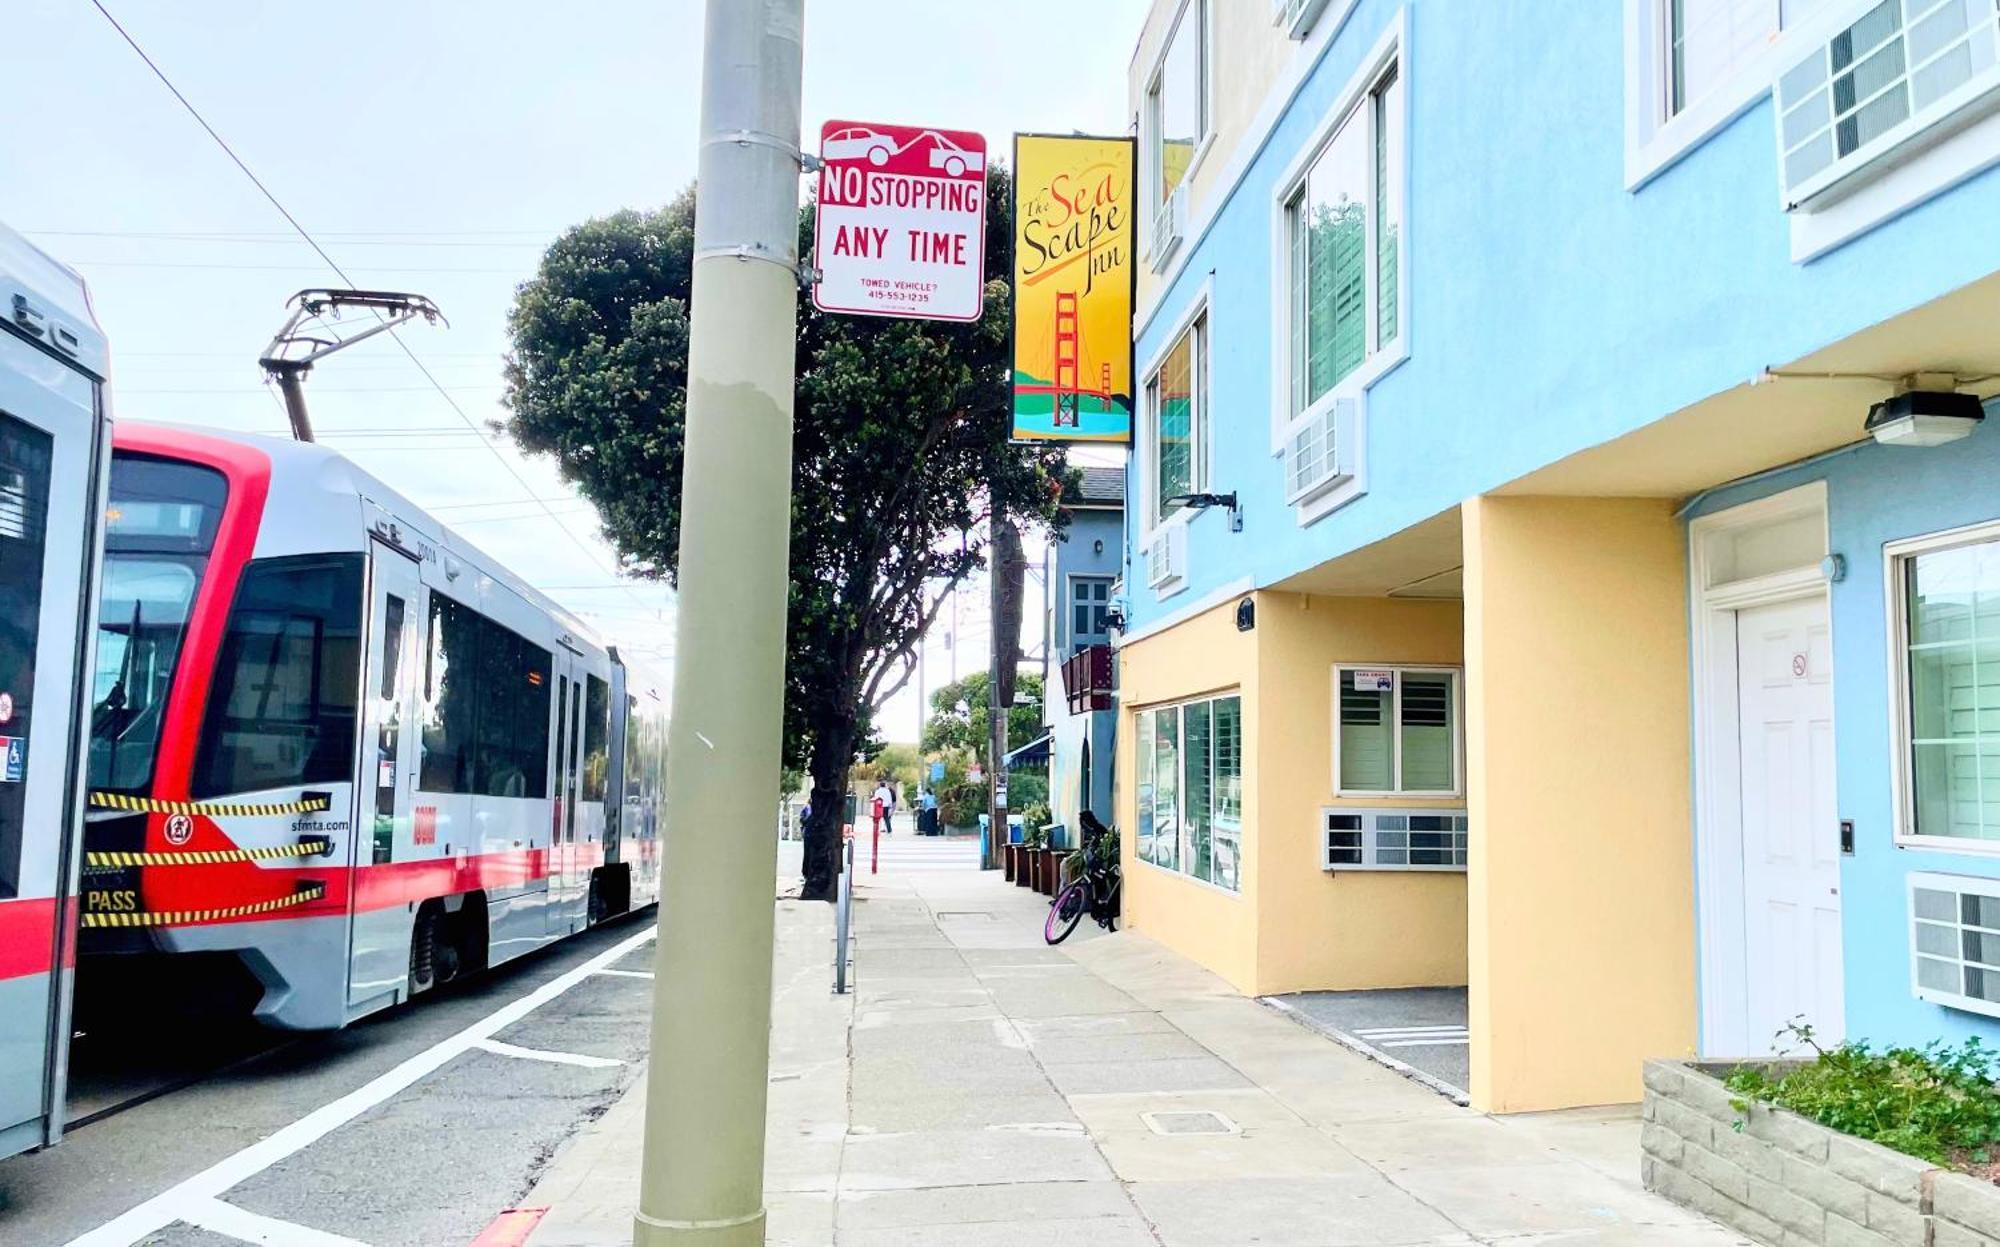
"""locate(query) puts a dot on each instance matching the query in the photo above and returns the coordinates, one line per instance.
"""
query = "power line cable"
(265, 235)
(331, 263)
(289, 268)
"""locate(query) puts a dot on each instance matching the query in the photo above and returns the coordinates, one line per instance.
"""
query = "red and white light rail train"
(256, 704)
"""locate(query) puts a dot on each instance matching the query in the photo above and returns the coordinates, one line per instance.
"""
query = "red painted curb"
(511, 1228)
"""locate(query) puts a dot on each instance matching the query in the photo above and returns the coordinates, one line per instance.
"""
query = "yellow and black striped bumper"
(313, 847)
(213, 809)
(167, 918)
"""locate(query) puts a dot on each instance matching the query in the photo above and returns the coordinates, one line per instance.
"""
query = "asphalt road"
(402, 1131)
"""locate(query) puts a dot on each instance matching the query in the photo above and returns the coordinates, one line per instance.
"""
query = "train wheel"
(423, 950)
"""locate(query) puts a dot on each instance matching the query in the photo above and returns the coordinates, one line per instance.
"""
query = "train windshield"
(159, 529)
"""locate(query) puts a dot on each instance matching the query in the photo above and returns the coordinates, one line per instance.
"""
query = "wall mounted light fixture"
(1203, 501)
(1923, 417)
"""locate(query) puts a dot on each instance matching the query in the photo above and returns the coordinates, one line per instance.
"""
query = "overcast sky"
(436, 146)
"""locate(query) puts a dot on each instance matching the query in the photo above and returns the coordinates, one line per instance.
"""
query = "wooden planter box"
(1782, 1179)
(1052, 869)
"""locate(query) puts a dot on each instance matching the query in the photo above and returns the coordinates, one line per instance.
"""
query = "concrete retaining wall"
(1788, 1182)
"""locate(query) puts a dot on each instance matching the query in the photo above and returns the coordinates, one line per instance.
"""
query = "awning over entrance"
(1034, 753)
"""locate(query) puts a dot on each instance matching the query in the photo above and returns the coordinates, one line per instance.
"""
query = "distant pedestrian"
(885, 799)
(927, 819)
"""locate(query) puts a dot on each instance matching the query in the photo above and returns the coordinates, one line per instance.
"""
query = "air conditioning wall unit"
(1166, 557)
(1318, 452)
(1393, 839)
(1896, 77)
(1169, 227)
(1955, 941)
(1297, 16)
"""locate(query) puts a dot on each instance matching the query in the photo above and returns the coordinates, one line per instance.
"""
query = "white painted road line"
(541, 1054)
(195, 1193)
(627, 974)
(1422, 1043)
(227, 1219)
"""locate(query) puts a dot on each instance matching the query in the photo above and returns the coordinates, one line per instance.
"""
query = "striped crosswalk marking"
(902, 852)
(1415, 1036)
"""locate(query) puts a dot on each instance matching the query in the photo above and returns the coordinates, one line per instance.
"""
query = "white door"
(52, 447)
(385, 829)
(1791, 832)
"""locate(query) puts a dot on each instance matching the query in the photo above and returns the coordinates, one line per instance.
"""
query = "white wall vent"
(1317, 453)
(1897, 76)
(1396, 839)
(1169, 225)
(1166, 557)
(1955, 941)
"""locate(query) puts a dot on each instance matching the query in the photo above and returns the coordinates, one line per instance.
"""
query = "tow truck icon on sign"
(862, 143)
(952, 158)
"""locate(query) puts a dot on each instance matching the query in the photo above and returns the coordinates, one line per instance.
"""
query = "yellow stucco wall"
(1581, 905)
(1293, 927)
(1205, 654)
(1351, 929)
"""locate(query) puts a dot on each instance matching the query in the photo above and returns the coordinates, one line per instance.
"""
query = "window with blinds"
(1190, 810)
(1342, 273)
(1396, 731)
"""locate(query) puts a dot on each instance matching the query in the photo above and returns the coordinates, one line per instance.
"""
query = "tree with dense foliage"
(958, 715)
(901, 439)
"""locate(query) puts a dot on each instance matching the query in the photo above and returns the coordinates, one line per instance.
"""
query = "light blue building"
(1080, 574)
(1504, 366)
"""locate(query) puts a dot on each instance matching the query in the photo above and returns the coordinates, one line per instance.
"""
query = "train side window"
(596, 738)
(281, 709)
(631, 749)
(512, 755)
(450, 661)
(26, 459)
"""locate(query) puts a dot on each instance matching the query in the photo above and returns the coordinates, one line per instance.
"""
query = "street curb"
(511, 1228)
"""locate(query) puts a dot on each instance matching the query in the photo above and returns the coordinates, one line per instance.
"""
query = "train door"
(565, 887)
(388, 826)
(52, 451)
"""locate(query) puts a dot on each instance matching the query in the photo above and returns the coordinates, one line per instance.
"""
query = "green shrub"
(1936, 1102)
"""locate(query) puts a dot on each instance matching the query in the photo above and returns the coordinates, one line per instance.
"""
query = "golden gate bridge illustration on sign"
(1070, 368)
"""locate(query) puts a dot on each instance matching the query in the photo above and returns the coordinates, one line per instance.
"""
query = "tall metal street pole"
(702, 1176)
(996, 714)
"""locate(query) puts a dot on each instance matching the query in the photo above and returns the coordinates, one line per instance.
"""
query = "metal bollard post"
(843, 912)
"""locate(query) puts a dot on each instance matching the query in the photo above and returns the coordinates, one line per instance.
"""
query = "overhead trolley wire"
(333, 264)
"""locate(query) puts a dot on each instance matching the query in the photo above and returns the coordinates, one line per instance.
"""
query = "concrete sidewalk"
(982, 1090)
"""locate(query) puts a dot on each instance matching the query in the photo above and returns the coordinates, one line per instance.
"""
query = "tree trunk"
(832, 757)
(1010, 566)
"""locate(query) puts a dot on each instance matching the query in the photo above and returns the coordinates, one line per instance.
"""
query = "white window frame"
(1069, 596)
(1655, 138)
(1149, 115)
(1897, 558)
(1457, 676)
(1353, 106)
(1151, 522)
(1181, 845)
